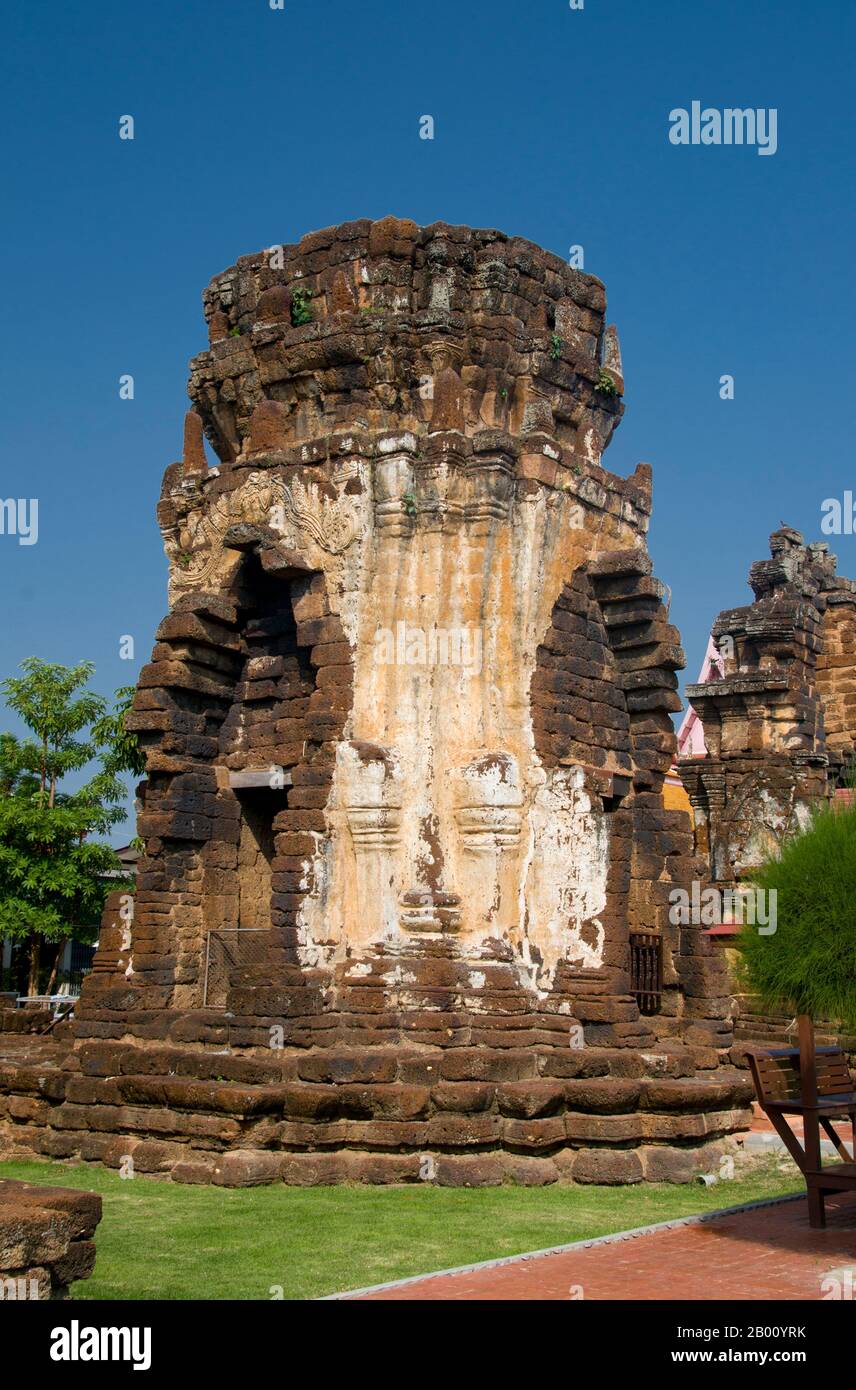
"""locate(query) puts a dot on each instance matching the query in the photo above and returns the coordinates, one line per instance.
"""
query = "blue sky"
(254, 126)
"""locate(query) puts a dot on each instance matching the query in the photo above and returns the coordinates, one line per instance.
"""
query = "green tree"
(51, 868)
(123, 753)
(808, 964)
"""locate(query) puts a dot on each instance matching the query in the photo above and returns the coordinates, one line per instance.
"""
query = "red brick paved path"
(768, 1253)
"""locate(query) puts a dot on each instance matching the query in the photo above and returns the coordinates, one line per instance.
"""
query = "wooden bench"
(822, 1096)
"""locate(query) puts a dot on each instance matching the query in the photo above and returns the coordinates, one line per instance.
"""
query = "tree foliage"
(123, 753)
(51, 861)
(808, 964)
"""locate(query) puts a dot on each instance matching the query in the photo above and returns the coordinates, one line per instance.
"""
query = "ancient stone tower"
(403, 910)
(780, 722)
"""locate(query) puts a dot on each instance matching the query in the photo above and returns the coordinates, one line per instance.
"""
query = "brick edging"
(612, 1239)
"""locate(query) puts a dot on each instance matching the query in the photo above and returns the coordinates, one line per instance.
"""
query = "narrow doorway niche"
(255, 856)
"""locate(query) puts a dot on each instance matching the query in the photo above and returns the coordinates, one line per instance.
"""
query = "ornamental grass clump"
(808, 964)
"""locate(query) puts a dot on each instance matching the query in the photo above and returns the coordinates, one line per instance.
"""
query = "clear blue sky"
(254, 126)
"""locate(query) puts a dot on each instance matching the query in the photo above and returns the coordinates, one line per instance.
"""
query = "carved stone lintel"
(194, 542)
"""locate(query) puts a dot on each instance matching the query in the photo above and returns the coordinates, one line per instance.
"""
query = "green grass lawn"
(160, 1240)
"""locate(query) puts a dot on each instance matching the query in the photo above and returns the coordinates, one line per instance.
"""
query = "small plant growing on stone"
(504, 393)
(300, 310)
(409, 503)
(235, 332)
(605, 384)
(555, 347)
(183, 558)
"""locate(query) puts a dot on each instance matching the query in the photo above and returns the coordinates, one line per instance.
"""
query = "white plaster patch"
(396, 444)
(441, 292)
(658, 1061)
(566, 880)
(398, 976)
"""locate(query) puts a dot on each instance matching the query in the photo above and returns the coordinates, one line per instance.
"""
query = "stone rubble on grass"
(46, 1239)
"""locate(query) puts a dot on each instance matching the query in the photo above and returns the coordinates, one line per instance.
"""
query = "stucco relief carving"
(301, 513)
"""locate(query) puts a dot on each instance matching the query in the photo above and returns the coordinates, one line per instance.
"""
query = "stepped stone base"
(529, 1110)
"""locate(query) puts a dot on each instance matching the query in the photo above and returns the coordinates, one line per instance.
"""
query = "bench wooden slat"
(777, 1075)
(778, 1086)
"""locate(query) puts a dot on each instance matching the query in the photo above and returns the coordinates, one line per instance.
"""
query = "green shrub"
(300, 310)
(808, 964)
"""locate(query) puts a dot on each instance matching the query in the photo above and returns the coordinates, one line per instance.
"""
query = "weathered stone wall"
(780, 725)
(46, 1239)
(836, 675)
(406, 725)
(25, 1020)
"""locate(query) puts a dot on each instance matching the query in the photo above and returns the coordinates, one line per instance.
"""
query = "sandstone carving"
(300, 512)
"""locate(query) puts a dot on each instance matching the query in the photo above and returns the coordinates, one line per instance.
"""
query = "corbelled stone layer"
(406, 725)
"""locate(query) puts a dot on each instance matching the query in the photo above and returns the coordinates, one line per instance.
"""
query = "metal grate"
(227, 952)
(646, 970)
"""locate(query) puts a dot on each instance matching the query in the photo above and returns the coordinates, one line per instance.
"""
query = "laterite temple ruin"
(403, 912)
(780, 722)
